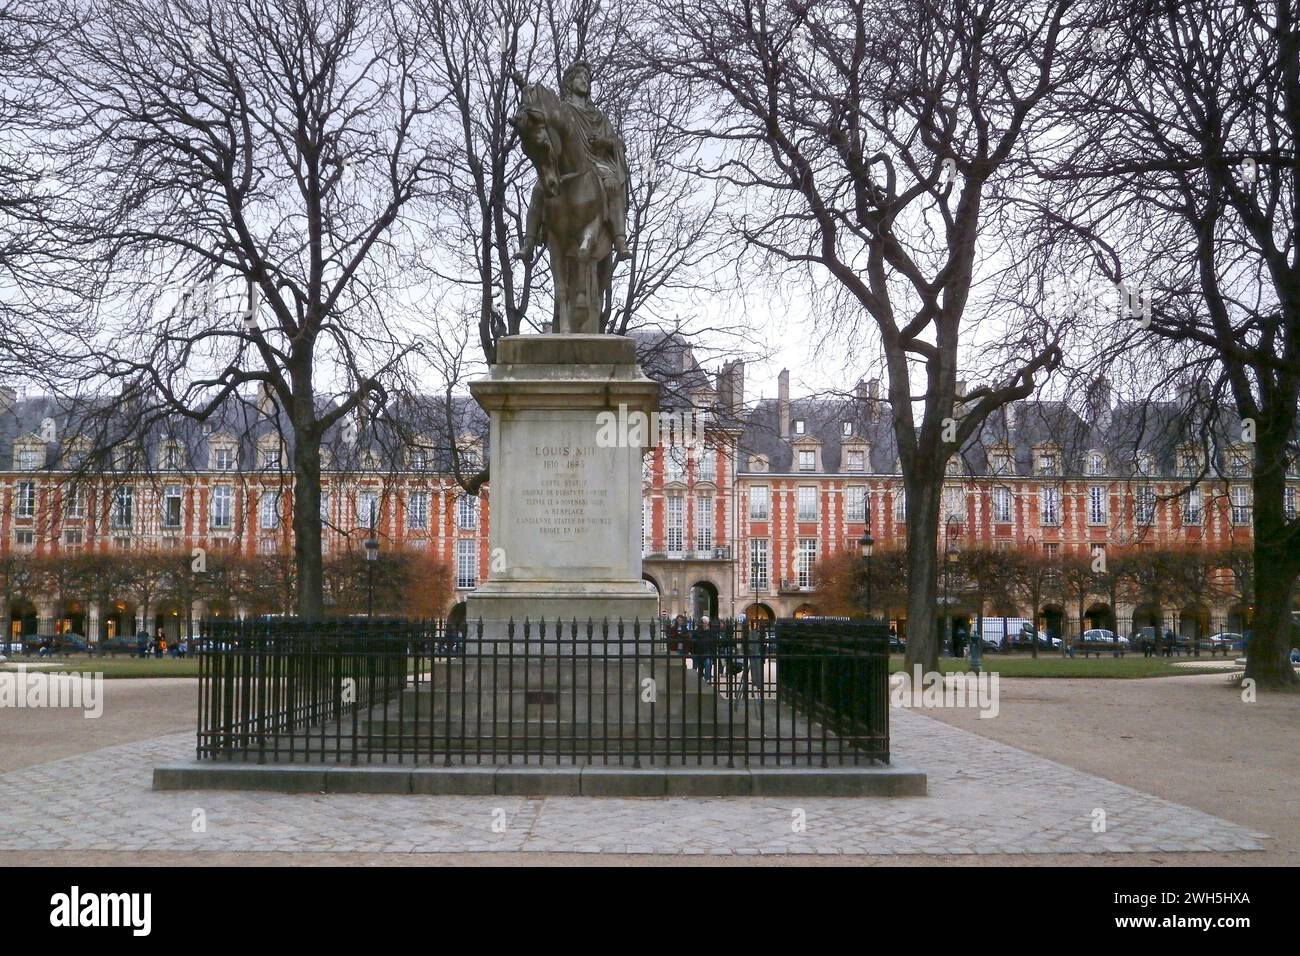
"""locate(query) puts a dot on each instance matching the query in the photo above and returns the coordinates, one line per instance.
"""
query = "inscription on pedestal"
(561, 501)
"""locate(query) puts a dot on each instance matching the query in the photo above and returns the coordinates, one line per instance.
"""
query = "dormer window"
(1238, 465)
(171, 456)
(1144, 463)
(418, 459)
(855, 461)
(807, 459)
(1000, 462)
(29, 457)
(758, 463)
(1096, 464)
(49, 430)
(846, 429)
(1048, 464)
(798, 426)
(223, 458)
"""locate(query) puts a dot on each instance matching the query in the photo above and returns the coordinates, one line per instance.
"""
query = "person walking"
(159, 644)
(141, 644)
(706, 642)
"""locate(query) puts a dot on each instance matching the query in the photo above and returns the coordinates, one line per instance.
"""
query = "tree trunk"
(306, 519)
(1269, 651)
(922, 571)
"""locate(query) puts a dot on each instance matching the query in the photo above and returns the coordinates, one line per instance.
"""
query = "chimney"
(1099, 403)
(783, 401)
(873, 395)
(265, 403)
(8, 398)
(1009, 410)
(730, 387)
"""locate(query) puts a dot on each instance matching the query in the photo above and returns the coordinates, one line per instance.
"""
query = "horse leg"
(560, 289)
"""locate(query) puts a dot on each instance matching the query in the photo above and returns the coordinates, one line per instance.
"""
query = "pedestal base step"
(593, 780)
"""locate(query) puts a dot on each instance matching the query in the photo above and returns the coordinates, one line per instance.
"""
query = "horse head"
(538, 134)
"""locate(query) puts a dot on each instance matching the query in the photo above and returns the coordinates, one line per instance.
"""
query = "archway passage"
(1239, 618)
(805, 610)
(456, 618)
(1099, 615)
(1053, 621)
(759, 615)
(22, 618)
(704, 600)
(118, 620)
(72, 619)
(1194, 622)
(171, 620)
(1148, 615)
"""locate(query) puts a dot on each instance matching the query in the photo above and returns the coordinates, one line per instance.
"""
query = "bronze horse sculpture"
(576, 214)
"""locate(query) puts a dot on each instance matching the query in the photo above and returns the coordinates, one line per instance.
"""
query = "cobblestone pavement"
(985, 798)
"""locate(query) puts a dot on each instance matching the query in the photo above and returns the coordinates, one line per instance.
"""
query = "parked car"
(117, 645)
(1224, 641)
(12, 646)
(1099, 637)
(1009, 633)
(71, 644)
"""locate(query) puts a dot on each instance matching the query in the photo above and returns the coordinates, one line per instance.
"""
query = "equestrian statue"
(578, 206)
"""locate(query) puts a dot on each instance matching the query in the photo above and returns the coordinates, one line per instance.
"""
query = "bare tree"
(239, 177)
(1181, 180)
(874, 141)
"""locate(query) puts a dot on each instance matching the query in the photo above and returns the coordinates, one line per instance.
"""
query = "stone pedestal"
(565, 524)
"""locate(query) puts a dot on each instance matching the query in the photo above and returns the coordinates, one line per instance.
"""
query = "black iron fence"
(634, 694)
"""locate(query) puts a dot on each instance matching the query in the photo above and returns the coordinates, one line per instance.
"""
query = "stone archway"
(1052, 617)
(118, 620)
(1099, 615)
(704, 600)
(759, 614)
(23, 620)
(805, 610)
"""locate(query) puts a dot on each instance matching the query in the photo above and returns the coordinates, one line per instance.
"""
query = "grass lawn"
(112, 667)
(1016, 665)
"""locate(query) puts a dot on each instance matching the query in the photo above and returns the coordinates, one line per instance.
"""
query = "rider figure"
(607, 151)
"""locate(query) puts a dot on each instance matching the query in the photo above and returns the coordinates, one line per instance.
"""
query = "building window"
(367, 509)
(759, 503)
(846, 429)
(223, 458)
(1144, 506)
(807, 503)
(74, 503)
(1049, 506)
(856, 461)
(324, 507)
(704, 523)
(954, 503)
(1000, 463)
(1144, 463)
(72, 539)
(758, 564)
(1096, 505)
(1002, 505)
(123, 507)
(30, 458)
(121, 543)
(268, 545)
(1192, 506)
(467, 512)
(1051, 550)
(804, 564)
(25, 499)
(418, 459)
(417, 511)
(270, 458)
(1238, 465)
(900, 506)
(270, 509)
(25, 538)
(466, 563)
(1189, 465)
(172, 458)
(1096, 464)
(223, 506)
(675, 523)
(675, 463)
(1047, 464)
(706, 465)
(798, 426)
(171, 506)
(807, 460)
(855, 506)
(1289, 502)
(647, 523)
(1240, 495)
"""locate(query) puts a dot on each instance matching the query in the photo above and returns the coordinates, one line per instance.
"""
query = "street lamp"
(867, 544)
(950, 554)
(1032, 546)
(372, 555)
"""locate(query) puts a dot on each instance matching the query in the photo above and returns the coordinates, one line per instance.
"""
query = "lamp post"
(867, 544)
(372, 555)
(950, 555)
(1032, 545)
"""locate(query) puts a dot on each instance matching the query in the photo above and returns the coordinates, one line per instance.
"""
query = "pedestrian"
(141, 644)
(705, 646)
(182, 647)
(159, 644)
